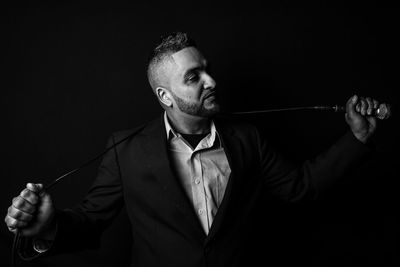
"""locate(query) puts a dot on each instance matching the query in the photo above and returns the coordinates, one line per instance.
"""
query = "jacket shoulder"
(136, 131)
(235, 125)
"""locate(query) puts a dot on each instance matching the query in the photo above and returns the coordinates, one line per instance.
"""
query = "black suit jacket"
(165, 228)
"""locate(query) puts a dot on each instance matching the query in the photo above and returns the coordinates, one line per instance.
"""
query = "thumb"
(45, 198)
(36, 188)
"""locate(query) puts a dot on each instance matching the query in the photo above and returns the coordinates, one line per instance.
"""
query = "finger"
(363, 109)
(29, 196)
(370, 105)
(21, 204)
(358, 107)
(19, 214)
(375, 104)
(13, 223)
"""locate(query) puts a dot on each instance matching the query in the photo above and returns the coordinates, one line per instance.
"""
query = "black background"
(73, 74)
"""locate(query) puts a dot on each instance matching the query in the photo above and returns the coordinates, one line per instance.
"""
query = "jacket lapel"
(155, 150)
(232, 149)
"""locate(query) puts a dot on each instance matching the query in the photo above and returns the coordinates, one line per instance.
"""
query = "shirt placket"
(200, 198)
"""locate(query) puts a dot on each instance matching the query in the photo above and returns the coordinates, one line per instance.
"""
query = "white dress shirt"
(203, 171)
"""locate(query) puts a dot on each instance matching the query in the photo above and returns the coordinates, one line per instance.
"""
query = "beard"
(197, 108)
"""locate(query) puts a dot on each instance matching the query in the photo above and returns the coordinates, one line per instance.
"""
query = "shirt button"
(197, 180)
(201, 211)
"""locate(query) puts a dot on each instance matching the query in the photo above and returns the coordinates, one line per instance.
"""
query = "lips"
(210, 95)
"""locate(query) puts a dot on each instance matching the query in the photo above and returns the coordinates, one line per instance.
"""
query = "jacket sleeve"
(293, 183)
(81, 227)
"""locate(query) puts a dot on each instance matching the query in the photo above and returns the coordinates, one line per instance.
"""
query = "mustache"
(211, 93)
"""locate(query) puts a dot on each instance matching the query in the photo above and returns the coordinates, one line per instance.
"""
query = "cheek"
(190, 92)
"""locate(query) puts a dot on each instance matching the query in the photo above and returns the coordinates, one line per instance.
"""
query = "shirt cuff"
(40, 245)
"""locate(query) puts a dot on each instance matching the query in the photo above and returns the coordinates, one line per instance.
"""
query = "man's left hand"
(360, 117)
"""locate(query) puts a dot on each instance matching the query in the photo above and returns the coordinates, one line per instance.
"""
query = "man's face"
(191, 86)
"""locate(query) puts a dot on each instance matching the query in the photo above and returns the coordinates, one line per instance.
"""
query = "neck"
(189, 124)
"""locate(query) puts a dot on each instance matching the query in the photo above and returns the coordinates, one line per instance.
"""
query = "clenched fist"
(360, 116)
(31, 213)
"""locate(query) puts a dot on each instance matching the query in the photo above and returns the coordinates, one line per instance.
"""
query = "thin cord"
(14, 248)
(272, 110)
(17, 236)
(56, 181)
(335, 108)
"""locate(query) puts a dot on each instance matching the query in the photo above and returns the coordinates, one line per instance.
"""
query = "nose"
(209, 82)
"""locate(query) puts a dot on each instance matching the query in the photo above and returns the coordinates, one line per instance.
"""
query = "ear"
(164, 96)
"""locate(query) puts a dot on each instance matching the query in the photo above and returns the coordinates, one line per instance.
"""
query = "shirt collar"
(172, 133)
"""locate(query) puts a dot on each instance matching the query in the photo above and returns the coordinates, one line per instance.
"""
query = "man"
(189, 180)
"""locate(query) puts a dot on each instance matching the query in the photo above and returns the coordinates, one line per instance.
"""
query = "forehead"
(187, 58)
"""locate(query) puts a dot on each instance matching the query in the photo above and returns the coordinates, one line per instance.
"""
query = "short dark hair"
(169, 44)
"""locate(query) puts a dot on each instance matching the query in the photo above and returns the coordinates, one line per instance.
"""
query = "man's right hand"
(31, 213)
